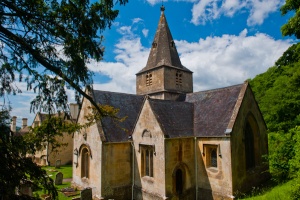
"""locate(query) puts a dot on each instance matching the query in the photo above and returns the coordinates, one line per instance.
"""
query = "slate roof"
(163, 51)
(213, 110)
(129, 105)
(175, 118)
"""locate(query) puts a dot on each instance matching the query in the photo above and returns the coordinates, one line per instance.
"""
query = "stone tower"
(164, 77)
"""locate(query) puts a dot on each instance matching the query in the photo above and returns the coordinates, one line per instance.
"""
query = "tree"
(292, 26)
(15, 166)
(49, 43)
(51, 133)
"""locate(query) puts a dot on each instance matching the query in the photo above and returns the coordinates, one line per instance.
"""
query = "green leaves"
(292, 27)
(51, 131)
(15, 166)
(278, 92)
(41, 38)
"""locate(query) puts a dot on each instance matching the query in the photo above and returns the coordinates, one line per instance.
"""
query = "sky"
(224, 42)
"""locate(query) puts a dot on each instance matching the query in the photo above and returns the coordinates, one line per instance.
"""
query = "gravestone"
(59, 178)
(25, 188)
(57, 164)
(86, 194)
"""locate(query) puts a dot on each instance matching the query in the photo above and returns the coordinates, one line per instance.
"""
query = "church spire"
(164, 77)
(163, 51)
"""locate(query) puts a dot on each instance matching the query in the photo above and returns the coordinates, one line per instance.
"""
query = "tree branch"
(47, 65)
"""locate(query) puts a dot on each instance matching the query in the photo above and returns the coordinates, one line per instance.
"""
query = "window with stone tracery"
(147, 152)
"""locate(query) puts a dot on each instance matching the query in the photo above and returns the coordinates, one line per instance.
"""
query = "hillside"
(277, 92)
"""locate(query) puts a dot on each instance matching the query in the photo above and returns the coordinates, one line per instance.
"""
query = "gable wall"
(149, 187)
(94, 143)
(244, 180)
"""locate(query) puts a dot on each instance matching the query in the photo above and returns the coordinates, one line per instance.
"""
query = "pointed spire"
(163, 51)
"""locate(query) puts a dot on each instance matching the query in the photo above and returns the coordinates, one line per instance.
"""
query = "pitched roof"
(129, 105)
(163, 51)
(213, 110)
(175, 118)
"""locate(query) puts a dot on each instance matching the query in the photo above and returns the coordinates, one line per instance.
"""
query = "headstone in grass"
(86, 194)
(57, 164)
(25, 187)
(59, 178)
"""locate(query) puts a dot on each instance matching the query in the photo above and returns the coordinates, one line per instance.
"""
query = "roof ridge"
(216, 89)
(94, 90)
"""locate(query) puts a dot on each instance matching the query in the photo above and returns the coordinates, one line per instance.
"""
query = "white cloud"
(207, 10)
(229, 59)
(261, 9)
(204, 11)
(136, 20)
(145, 32)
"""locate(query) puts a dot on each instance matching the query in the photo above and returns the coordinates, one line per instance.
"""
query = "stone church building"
(174, 143)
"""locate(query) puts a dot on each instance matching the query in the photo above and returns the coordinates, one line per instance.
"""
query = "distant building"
(64, 154)
(174, 144)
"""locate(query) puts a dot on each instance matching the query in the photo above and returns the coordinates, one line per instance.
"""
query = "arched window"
(251, 135)
(85, 163)
(249, 146)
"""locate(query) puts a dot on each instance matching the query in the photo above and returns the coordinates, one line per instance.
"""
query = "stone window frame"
(147, 153)
(211, 152)
(149, 77)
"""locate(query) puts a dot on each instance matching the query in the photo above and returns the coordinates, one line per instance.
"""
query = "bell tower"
(164, 77)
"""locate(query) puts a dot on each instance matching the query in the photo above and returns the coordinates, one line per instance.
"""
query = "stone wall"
(214, 181)
(186, 85)
(116, 170)
(157, 82)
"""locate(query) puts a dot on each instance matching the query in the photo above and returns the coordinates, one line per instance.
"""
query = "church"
(174, 143)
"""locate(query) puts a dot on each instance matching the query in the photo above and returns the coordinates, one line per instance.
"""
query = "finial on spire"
(162, 8)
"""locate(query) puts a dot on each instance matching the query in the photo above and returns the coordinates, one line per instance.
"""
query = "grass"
(67, 172)
(278, 192)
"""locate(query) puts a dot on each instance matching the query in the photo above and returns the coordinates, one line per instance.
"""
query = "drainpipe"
(196, 168)
(133, 167)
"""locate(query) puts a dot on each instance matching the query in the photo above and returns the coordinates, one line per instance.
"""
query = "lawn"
(278, 192)
(66, 170)
(67, 173)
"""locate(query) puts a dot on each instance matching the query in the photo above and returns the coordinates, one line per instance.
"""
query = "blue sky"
(224, 42)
